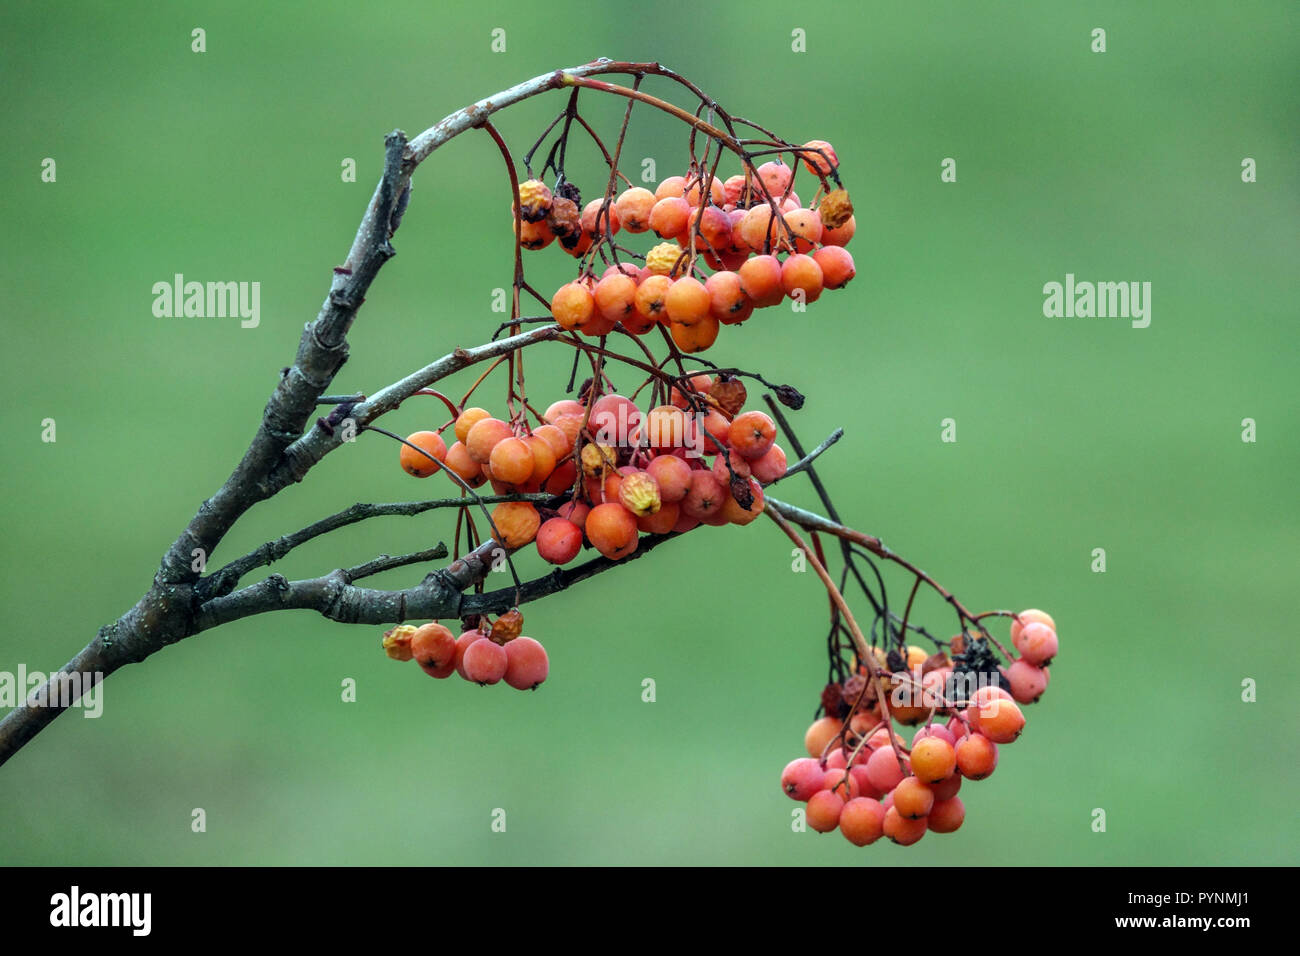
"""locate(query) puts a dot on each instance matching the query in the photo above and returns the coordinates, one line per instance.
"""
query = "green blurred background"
(1073, 434)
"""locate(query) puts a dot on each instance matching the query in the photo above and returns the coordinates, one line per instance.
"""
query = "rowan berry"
(862, 821)
(1037, 644)
(836, 264)
(535, 200)
(612, 530)
(516, 523)
(801, 778)
(933, 759)
(573, 305)
(801, 278)
(824, 809)
(819, 157)
(634, 207)
(776, 176)
(433, 647)
(663, 259)
(902, 830)
(696, 336)
(527, 665)
(760, 278)
(418, 463)
(485, 661)
(596, 216)
(820, 733)
(751, 434)
(511, 461)
(838, 235)
(977, 756)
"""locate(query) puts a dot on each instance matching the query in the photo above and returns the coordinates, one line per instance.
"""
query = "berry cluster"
(614, 470)
(484, 655)
(752, 231)
(861, 776)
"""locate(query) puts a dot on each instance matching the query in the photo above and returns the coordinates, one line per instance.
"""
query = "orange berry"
(697, 386)
(467, 420)
(734, 513)
(862, 821)
(977, 756)
(663, 427)
(900, 829)
(687, 301)
(695, 337)
(562, 478)
(705, 496)
(715, 227)
(516, 523)
(634, 207)
(565, 406)
(433, 647)
(544, 460)
(912, 798)
(820, 733)
(933, 760)
(946, 815)
(824, 809)
(673, 476)
(733, 188)
(822, 160)
(556, 438)
(577, 244)
(614, 296)
(760, 278)
(840, 235)
(415, 463)
(463, 466)
(511, 461)
(611, 529)
(593, 220)
(770, 467)
(806, 224)
(836, 264)
(650, 298)
(756, 228)
(1001, 721)
(801, 277)
(534, 235)
(717, 192)
(672, 186)
(669, 217)
(662, 521)
(751, 434)
(484, 436)
(573, 305)
(728, 302)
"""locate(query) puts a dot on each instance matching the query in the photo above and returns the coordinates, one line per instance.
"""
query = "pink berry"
(485, 661)
(802, 778)
(526, 663)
